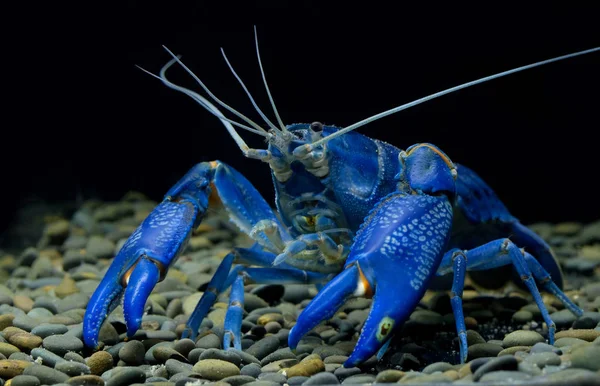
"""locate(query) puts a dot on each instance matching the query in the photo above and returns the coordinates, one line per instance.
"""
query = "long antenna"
(437, 95)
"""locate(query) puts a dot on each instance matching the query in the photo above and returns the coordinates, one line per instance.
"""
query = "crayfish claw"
(141, 282)
(101, 304)
(325, 304)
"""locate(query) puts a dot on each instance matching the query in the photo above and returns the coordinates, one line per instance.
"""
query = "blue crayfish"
(357, 216)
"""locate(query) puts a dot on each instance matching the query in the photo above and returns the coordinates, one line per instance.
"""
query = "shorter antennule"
(263, 116)
(262, 72)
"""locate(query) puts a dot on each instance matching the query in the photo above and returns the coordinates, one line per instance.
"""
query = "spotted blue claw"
(155, 245)
(394, 255)
(146, 256)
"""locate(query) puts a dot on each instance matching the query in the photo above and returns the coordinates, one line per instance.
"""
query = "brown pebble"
(389, 376)
(100, 362)
(66, 287)
(23, 302)
(25, 340)
(7, 349)
(587, 335)
(470, 323)
(180, 329)
(514, 349)
(8, 332)
(270, 317)
(86, 380)
(465, 370)
(215, 369)
(6, 321)
(306, 368)
(150, 325)
(163, 353)
(10, 368)
(452, 374)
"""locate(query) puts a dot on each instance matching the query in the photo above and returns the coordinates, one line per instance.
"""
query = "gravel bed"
(45, 288)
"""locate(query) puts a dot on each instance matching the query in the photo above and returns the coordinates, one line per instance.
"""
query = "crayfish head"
(302, 134)
(427, 169)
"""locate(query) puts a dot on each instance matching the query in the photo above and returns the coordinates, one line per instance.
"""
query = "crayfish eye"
(317, 127)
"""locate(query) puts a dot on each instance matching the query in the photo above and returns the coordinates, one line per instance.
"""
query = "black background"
(79, 117)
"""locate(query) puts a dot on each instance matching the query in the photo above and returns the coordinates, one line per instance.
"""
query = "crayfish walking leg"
(492, 255)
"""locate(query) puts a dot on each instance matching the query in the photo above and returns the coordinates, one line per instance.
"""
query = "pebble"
(586, 357)
(504, 377)
(523, 316)
(25, 380)
(587, 335)
(522, 338)
(209, 341)
(561, 342)
(45, 374)
(184, 346)
(25, 340)
(389, 376)
(86, 380)
(7, 349)
(273, 377)
(72, 368)
(544, 359)
(276, 366)
(505, 362)
(127, 376)
(238, 380)
(514, 349)
(435, 367)
(323, 378)
(48, 357)
(481, 350)
(61, 344)
(246, 357)
(543, 347)
(215, 369)
(251, 369)
(264, 347)
(359, 379)
(45, 330)
(10, 368)
(132, 352)
(563, 318)
(99, 362)
(44, 293)
(283, 353)
(343, 372)
(306, 368)
(174, 366)
(227, 356)
(473, 337)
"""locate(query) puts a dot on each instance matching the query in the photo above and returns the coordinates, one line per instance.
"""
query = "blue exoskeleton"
(356, 215)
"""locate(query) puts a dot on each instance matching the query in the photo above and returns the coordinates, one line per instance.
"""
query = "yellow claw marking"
(161, 268)
(385, 327)
(214, 200)
(365, 283)
(437, 151)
